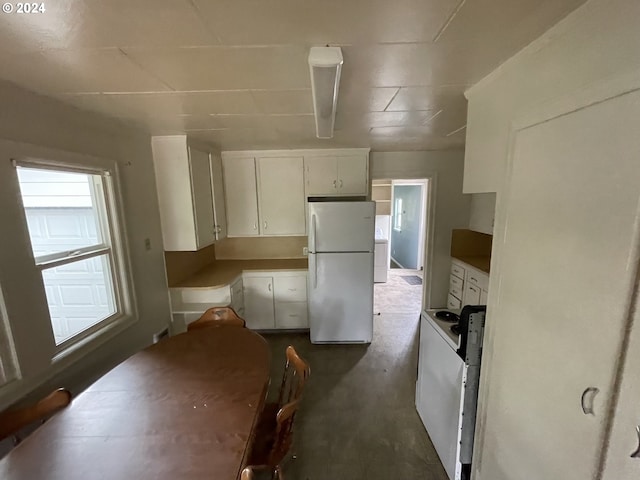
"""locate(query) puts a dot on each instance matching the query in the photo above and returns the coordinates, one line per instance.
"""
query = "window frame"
(111, 216)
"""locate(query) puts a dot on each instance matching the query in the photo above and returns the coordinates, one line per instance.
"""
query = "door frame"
(424, 183)
(430, 181)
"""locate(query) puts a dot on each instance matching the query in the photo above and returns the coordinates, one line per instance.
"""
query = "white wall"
(38, 126)
(599, 41)
(451, 206)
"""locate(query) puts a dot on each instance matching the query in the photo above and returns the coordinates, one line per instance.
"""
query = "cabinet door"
(471, 295)
(353, 176)
(567, 253)
(241, 196)
(321, 175)
(281, 187)
(202, 197)
(258, 302)
(219, 211)
(484, 296)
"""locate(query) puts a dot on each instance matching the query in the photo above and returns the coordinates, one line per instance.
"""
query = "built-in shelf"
(381, 194)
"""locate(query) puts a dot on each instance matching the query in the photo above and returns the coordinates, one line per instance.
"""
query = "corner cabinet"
(336, 175)
(190, 193)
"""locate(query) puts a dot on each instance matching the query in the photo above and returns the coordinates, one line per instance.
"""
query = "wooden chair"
(247, 474)
(296, 373)
(268, 452)
(274, 429)
(12, 421)
(216, 316)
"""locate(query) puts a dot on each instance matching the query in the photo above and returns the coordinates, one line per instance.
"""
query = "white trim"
(111, 215)
(319, 152)
(64, 258)
(558, 30)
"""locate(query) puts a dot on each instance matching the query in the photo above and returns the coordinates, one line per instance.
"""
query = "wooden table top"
(184, 408)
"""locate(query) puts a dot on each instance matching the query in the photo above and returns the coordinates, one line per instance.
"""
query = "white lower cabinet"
(275, 300)
(258, 302)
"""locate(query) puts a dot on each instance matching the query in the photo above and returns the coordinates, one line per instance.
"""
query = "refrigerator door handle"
(313, 271)
(312, 235)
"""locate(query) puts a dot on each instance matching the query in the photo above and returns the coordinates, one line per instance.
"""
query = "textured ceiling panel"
(235, 72)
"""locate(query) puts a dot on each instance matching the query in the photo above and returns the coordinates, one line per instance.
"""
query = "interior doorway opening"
(401, 243)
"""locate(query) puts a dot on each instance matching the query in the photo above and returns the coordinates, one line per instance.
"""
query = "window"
(397, 215)
(74, 238)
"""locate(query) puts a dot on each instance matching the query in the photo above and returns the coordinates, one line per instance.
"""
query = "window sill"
(90, 343)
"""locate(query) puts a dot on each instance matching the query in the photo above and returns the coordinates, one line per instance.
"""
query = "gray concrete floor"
(358, 419)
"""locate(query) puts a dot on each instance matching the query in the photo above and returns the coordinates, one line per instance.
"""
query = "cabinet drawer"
(455, 291)
(455, 286)
(478, 278)
(453, 303)
(291, 315)
(457, 270)
(290, 289)
(212, 296)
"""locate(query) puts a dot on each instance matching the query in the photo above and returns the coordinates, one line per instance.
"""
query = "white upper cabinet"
(266, 190)
(190, 193)
(281, 195)
(335, 175)
(321, 175)
(202, 197)
(353, 175)
(242, 203)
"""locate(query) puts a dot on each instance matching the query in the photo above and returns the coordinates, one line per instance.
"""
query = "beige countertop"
(482, 263)
(224, 272)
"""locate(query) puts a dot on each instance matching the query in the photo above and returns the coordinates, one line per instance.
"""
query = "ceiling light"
(325, 64)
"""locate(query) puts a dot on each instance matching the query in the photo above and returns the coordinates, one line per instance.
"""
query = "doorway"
(401, 220)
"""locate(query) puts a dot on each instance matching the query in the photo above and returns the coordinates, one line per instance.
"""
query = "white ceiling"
(234, 72)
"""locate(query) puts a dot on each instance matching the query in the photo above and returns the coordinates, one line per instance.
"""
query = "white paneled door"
(281, 192)
(240, 191)
(567, 268)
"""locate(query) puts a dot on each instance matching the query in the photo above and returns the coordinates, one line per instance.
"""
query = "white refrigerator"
(341, 246)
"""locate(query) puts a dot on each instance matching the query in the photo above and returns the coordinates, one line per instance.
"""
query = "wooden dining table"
(184, 408)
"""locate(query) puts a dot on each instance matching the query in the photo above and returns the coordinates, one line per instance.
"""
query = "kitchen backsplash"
(254, 248)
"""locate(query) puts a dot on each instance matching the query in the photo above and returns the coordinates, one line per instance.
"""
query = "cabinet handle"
(590, 393)
(269, 287)
(334, 184)
(636, 454)
(255, 225)
(473, 279)
(340, 183)
(265, 224)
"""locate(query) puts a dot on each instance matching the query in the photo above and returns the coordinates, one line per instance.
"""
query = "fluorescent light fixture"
(325, 64)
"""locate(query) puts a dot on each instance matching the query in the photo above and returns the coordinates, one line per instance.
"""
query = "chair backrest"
(13, 421)
(284, 432)
(296, 372)
(217, 316)
(247, 474)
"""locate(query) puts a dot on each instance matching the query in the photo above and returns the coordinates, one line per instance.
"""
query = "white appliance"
(341, 246)
(381, 254)
(447, 386)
